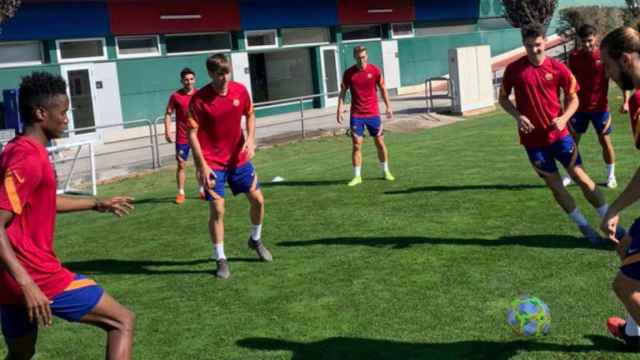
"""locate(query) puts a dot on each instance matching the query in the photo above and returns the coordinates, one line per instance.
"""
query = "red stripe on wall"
(352, 12)
(168, 16)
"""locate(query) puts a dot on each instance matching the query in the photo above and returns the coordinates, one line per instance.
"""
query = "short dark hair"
(218, 62)
(39, 90)
(532, 30)
(621, 40)
(358, 49)
(587, 30)
(186, 71)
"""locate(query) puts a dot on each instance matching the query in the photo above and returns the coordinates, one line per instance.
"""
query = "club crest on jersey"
(236, 102)
(369, 76)
(548, 76)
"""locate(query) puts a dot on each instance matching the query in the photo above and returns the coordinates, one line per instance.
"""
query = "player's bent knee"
(127, 320)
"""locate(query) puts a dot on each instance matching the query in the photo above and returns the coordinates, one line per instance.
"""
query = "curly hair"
(39, 90)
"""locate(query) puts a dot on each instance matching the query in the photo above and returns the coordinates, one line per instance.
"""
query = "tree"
(522, 12)
(8, 9)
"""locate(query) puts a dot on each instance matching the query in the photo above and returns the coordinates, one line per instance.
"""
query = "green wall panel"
(10, 78)
(491, 8)
(425, 57)
(145, 84)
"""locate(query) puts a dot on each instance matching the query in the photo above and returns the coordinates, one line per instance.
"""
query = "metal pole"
(93, 169)
(302, 117)
(154, 161)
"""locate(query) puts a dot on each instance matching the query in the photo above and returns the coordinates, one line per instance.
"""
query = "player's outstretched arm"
(524, 124)
(624, 107)
(36, 302)
(117, 205)
(250, 143)
(630, 195)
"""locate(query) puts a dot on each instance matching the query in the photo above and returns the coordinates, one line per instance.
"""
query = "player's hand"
(624, 108)
(204, 177)
(524, 124)
(340, 117)
(559, 123)
(249, 148)
(389, 114)
(37, 304)
(169, 137)
(118, 205)
(609, 225)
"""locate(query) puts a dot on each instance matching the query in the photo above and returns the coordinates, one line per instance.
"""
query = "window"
(444, 30)
(137, 46)
(198, 43)
(304, 36)
(401, 30)
(261, 39)
(20, 53)
(81, 50)
(361, 32)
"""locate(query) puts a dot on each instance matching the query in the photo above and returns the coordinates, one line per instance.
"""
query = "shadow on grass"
(372, 349)
(443, 188)
(305, 183)
(114, 266)
(404, 242)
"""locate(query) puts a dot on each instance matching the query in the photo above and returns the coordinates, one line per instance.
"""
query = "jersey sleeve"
(567, 81)
(192, 116)
(20, 179)
(508, 81)
(379, 77)
(634, 114)
(171, 105)
(346, 80)
(248, 104)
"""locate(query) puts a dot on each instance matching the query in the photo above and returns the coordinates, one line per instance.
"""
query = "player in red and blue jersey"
(33, 283)
(363, 80)
(586, 65)
(542, 124)
(223, 154)
(179, 104)
(621, 58)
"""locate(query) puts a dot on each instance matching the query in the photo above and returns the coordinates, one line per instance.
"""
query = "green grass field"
(421, 268)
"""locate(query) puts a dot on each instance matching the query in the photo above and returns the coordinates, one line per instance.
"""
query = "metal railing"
(430, 97)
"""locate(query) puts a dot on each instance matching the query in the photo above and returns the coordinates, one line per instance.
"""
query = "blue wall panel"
(271, 14)
(438, 10)
(43, 21)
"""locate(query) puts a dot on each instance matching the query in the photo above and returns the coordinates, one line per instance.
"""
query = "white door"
(81, 89)
(241, 73)
(330, 74)
(391, 64)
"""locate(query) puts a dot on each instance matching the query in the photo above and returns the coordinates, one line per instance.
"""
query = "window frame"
(311, 43)
(119, 55)
(105, 55)
(413, 31)
(261, 47)
(24, 63)
(199, 51)
(360, 40)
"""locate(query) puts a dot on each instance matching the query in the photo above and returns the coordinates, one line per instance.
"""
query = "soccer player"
(33, 283)
(223, 155)
(621, 58)
(179, 104)
(542, 123)
(586, 65)
(363, 79)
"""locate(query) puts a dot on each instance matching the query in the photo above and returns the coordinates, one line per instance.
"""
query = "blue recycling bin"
(12, 118)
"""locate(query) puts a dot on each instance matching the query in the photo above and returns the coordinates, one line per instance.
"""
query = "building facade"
(122, 58)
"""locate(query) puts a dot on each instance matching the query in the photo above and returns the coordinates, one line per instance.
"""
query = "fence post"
(153, 140)
(157, 142)
(302, 116)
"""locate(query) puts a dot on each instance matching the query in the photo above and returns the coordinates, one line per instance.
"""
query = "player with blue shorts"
(223, 155)
(363, 80)
(34, 285)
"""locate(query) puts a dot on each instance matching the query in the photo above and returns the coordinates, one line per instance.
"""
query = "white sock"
(384, 166)
(256, 232)
(220, 252)
(631, 329)
(181, 191)
(611, 171)
(602, 210)
(357, 171)
(201, 190)
(577, 217)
